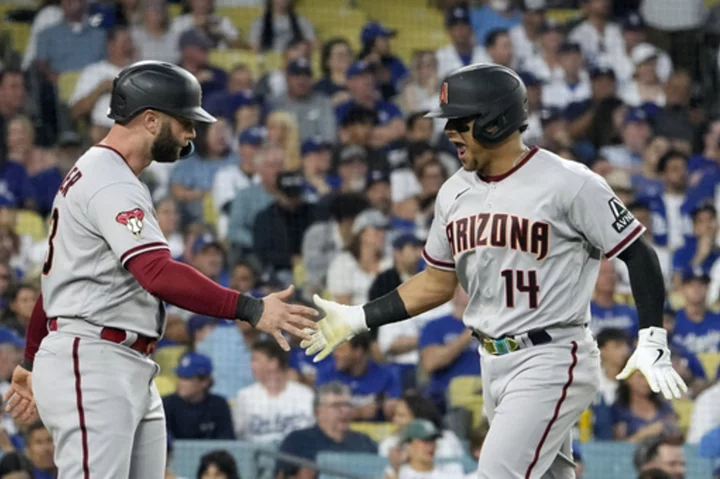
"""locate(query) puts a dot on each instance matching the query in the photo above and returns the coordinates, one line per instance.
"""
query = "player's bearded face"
(166, 147)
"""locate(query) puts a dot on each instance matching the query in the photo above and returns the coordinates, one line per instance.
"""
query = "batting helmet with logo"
(493, 95)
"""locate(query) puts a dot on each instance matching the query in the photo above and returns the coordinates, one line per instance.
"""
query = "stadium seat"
(209, 212)
(378, 431)
(364, 465)
(187, 454)
(168, 358)
(19, 34)
(165, 384)
(174, 10)
(258, 64)
(66, 85)
(30, 223)
(585, 425)
(466, 392)
(684, 408)
(710, 362)
(562, 15)
(242, 17)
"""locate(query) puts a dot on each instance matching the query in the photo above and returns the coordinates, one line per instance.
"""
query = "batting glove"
(652, 358)
(340, 323)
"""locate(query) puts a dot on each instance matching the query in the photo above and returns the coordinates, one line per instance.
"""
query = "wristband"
(385, 310)
(249, 309)
(26, 364)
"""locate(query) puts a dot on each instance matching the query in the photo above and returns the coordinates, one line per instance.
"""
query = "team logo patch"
(622, 216)
(444, 93)
(133, 220)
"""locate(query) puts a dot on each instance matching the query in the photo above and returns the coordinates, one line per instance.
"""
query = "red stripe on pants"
(549, 426)
(81, 410)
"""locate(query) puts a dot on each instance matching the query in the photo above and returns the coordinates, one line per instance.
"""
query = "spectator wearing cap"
(278, 229)
(195, 57)
(316, 163)
(193, 178)
(635, 134)
(546, 64)
(324, 240)
(240, 80)
(39, 449)
(697, 329)
(274, 83)
(208, 257)
(361, 84)
(22, 300)
(243, 109)
(352, 272)
(493, 15)
(336, 58)
(220, 30)
(91, 97)
(600, 39)
(390, 72)
(499, 47)
(700, 250)
(234, 177)
(463, 50)
(575, 84)
(605, 311)
(526, 36)
(645, 86)
(192, 412)
(278, 26)
(582, 114)
(534, 133)
(313, 110)
(634, 33)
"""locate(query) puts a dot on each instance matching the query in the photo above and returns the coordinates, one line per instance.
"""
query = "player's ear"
(152, 121)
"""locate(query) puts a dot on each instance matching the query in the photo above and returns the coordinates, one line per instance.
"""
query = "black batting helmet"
(493, 95)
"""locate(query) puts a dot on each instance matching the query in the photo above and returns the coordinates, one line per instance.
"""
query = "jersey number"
(47, 266)
(525, 282)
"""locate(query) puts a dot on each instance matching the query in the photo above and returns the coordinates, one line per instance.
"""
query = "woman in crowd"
(421, 92)
(152, 37)
(202, 17)
(217, 465)
(20, 142)
(22, 302)
(282, 131)
(336, 58)
(638, 412)
(279, 25)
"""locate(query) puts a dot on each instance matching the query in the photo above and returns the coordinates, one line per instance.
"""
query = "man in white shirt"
(273, 406)
(462, 51)
(599, 38)
(634, 33)
(706, 414)
(91, 96)
(526, 36)
(499, 47)
(546, 64)
(575, 85)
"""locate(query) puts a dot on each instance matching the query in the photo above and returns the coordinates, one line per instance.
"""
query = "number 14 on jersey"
(524, 282)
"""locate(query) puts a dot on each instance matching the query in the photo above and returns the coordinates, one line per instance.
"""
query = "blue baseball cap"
(529, 78)
(254, 135)
(550, 114)
(313, 145)
(406, 239)
(195, 38)
(197, 322)
(636, 115)
(377, 176)
(633, 22)
(242, 99)
(194, 364)
(602, 71)
(299, 66)
(205, 240)
(360, 67)
(373, 30)
(8, 336)
(458, 14)
(7, 199)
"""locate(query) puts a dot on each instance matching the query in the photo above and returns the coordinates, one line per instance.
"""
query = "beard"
(166, 148)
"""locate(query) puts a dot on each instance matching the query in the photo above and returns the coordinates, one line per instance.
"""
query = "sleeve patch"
(133, 220)
(621, 215)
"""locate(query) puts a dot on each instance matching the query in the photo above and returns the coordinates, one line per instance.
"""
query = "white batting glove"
(340, 323)
(652, 358)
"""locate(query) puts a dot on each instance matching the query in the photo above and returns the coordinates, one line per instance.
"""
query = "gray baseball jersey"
(526, 245)
(102, 216)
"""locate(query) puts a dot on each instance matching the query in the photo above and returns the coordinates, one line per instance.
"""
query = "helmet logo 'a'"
(444, 93)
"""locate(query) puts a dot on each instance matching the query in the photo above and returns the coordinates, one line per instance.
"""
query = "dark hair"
(623, 396)
(654, 474)
(272, 350)
(703, 206)
(647, 449)
(493, 36)
(222, 460)
(268, 35)
(361, 341)
(354, 247)
(10, 71)
(14, 291)
(15, 462)
(602, 129)
(36, 426)
(413, 118)
(201, 144)
(358, 114)
(113, 32)
(423, 408)
(347, 205)
(433, 163)
(327, 51)
(665, 159)
(247, 265)
(638, 205)
(611, 334)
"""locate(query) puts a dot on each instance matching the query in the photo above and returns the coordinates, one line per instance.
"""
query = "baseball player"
(106, 276)
(523, 231)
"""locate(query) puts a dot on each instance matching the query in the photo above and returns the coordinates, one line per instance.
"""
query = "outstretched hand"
(19, 400)
(340, 323)
(279, 316)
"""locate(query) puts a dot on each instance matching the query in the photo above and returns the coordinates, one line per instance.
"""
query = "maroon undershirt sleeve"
(179, 284)
(36, 331)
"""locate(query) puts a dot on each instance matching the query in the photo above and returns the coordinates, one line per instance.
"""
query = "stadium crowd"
(323, 172)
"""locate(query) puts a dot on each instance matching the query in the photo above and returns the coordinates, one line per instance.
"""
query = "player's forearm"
(646, 281)
(36, 331)
(403, 344)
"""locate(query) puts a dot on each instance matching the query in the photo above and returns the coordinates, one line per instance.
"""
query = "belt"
(143, 344)
(508, 344)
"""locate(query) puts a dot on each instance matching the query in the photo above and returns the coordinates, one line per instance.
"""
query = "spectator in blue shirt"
(448, 350)
(493, 15)
(194, 57)
(614, 345)
(192, 412)
(700, 250)
(40, 450)
(605, 312)
(46, 183)
(638, 412)
(16, 190)
(336, 58)
(686, 363)
(390, 71)
(333, 409)
(375, 388)
(696, 328)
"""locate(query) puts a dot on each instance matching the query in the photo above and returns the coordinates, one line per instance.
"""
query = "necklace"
(517, 160)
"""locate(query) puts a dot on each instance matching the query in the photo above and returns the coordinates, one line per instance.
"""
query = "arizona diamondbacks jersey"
(526, 245)
(102, 216)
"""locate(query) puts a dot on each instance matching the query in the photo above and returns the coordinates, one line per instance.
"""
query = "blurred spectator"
(499, 47)
(14, 465)
(696, 328)
(378, 193)
(662, 453)
(278, 229)
(195, 57)
(463, 50)
(643, 214)
(208, 255)
(647, 181)
(273, 406)
(16, 190)
(313, 111)
(555, 135)
(546, 64)
(620, 182)
(600, 39)
(192, 412)
(234, 177)
(167, 218)
(192, 179)
(419, 439)
(634, 33)
(605, 312)
(324, 240)
(48, 14)
(375, 389)
(336, 58)
(704, 165)
(361, 83)
(700, 251)
(477, 439)
(493, 15)
(249, 201)
(169, 474)
(646, 86)
(316, 164)
(356, 151)
(13, 95)
(614, 347)
(639, 413)
(11, 351)
(153, 38)
(667, 208)
(332, 432)
(22, 302)
(218, 29)
(243, 109)
(580, 114)
(534, 134)
(40, 450)
(431, 176)
(238, 92)
(526, 36)
(274, 83)
(448, 350)
(283, 132)
(390, 72)
(705, 415)
(217, 465)
(91, 97)
(7, 280)
(351, 272)
(71, 45)
(22, 148)
(636, 133)
(575, 83)
(278, 26)
(421, 92)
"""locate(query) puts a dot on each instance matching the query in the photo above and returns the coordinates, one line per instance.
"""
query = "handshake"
(339, 324)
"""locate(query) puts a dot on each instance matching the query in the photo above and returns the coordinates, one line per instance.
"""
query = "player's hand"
(19, 400)
(339, 324)
(652, 358)
(279, 316)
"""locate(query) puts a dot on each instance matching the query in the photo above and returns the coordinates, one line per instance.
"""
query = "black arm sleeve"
(646, 281)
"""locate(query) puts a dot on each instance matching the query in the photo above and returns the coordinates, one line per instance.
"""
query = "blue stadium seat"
(187, 454)
(365, 465)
